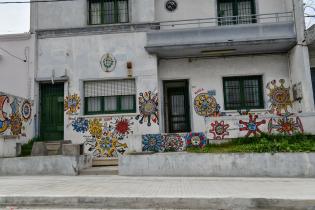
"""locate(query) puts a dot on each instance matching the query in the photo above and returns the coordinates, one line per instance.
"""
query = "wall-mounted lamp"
(129, 69)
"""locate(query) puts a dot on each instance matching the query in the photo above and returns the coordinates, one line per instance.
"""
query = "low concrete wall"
(44, 165)
(8, 146)
(219, 165)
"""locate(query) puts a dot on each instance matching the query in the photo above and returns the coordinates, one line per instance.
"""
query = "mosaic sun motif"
(16, 124)
(286, 124)
(219, 130)
(173, 143)
(95, 128)
(108, 62)
(206, 105)
(4, 120)
(122, 126)
(149, 108)
(26, 110)
(196, 140)
(109, 146)
(152, 142)
(80, 125)
(72, 104)
(252, 126)
(279, 97)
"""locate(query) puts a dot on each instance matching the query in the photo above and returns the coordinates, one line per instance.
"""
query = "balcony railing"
(224, 21)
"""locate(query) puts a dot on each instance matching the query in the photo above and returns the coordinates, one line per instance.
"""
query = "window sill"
(109, 115)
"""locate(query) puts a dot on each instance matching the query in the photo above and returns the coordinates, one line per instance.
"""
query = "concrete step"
(107, 170)
(105, 162)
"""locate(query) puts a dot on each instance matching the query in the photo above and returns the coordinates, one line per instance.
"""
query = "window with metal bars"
(243, 93)
(232, 12)
(108, 11)
(110, 96)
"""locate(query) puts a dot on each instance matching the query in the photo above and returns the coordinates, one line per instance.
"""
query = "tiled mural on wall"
(205, 104)
(219, 130)
(287, 124)
(104, 136)
(15, 115)
(252, 126)
(148, 108)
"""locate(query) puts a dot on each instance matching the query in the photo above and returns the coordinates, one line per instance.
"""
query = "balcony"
(254, 34)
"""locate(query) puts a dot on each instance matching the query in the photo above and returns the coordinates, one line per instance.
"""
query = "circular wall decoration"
(171, 5)
(26, 110)
(108, 62)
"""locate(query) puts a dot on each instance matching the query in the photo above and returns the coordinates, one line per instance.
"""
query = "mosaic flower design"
(219, 130)
(286, 124)
(72, 104)
(196, 140)
(80, 125)
(149, 108)
(252, 126)
(122, 126)
(16, 124)
(152, 142)
(95, 128)
(26, 110)
(173, 143)
(279, 96)
(206, 105)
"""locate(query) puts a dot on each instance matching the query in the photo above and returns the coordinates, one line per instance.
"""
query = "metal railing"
(225, 21)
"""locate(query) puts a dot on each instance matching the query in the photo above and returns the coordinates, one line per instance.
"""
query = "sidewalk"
(156, 192)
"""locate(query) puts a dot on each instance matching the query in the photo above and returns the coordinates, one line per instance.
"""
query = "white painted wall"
(208, 74)
(79, 58)
(17, 77)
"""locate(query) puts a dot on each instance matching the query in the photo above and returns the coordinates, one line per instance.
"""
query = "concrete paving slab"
(117, 192)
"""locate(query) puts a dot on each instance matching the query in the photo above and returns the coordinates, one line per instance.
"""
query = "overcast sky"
(15, 18)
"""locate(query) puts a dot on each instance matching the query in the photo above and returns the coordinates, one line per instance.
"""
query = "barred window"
(110, 96)
(243, 92)
(108, 11)
(232, 12)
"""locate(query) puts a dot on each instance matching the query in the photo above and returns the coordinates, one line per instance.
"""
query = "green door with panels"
(52, 111)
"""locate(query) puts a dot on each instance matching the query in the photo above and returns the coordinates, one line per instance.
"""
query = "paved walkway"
(156, 192)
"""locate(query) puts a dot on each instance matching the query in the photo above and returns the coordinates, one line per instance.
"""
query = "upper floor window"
(108, 11)
(236, 12)
(243, 93)
(110, 96)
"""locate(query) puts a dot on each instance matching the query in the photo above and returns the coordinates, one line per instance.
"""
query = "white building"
(108, 72)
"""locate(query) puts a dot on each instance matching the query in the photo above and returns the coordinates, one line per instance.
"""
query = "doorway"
(52, 111)
(176, 106)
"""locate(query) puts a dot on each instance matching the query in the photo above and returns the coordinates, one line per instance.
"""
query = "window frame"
(241, 79)
(102, 14)
(235, 11)
(118, 105)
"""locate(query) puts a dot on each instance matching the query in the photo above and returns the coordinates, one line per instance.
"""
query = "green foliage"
(262, 144)
(27, 148)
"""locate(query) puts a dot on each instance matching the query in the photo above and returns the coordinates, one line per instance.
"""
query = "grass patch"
(263, 144)
(26, 149)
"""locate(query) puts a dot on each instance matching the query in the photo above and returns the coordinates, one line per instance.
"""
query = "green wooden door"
(52, 111)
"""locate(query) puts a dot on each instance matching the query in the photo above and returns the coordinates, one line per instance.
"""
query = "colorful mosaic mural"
(219, 130)
(173, 143)
(80, 125)
(196, 140)
(252, 126)
(279, 97)
(153, 143)
(15, 112)
(206, 105)
(72, 104)
(287, 124)
(148, 108)
(107, 135)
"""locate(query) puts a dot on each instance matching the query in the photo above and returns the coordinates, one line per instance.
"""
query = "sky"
(15, 18)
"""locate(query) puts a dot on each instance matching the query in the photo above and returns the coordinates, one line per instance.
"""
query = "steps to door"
(105, 170)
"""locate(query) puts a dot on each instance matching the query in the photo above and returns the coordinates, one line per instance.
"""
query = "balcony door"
(232, 12)
(176, 106)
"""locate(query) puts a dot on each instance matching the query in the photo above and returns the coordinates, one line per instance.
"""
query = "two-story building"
(110, 71)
